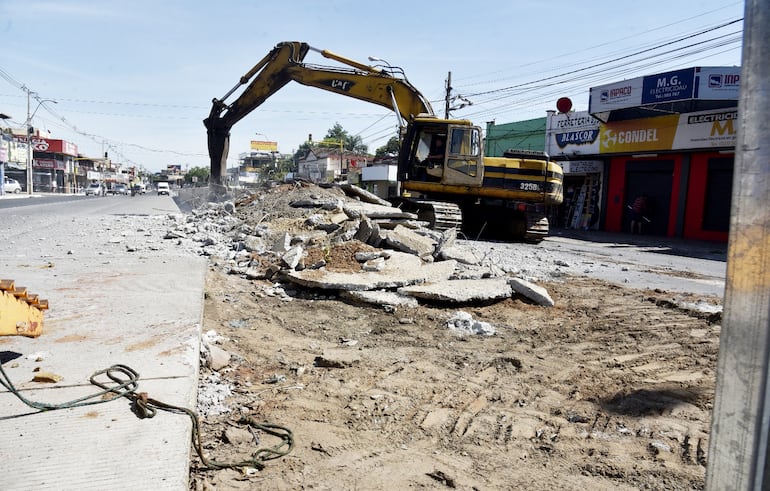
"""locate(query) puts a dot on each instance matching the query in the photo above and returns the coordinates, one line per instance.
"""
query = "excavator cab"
(445, 153)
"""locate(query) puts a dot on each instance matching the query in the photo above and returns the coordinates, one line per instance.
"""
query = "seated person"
(437, 151)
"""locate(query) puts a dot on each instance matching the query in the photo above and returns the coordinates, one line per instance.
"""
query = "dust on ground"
(611, 388)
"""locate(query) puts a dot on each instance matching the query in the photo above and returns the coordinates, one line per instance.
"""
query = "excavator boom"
(285, 63)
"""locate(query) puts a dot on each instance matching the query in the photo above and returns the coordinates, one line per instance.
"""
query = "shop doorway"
(653, 178)
(718, 196)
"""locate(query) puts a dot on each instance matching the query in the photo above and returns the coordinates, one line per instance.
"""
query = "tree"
(334, 135)
(390, 149)
(349, 142)
(201, 173)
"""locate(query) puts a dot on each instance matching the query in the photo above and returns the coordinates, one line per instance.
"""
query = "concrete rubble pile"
(347, 241)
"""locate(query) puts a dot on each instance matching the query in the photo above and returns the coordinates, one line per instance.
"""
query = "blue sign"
(581, 137)
(668, 87)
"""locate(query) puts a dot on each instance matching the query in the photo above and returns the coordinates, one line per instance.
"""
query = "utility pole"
(28, 129)
(448, 94)
(739, 457)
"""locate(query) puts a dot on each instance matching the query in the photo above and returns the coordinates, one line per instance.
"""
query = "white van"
(164, 189)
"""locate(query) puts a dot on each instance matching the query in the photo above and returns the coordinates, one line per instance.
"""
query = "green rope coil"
(124, 382)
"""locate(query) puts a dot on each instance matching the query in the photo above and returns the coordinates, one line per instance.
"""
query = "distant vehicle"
(164, 189)
(120, 189)
(11, 185)
(94, 189)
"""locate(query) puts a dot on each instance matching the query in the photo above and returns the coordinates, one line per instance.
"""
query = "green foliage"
(389, 149)
(349, 142)
(334, 135)
(202, 173)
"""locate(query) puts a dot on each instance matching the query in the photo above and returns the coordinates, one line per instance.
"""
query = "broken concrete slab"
(404, 239)
(357, 209)
(536, 293)
(461, 291)
(401, 269)
(460, 254)
(392, 299)
(364, 195)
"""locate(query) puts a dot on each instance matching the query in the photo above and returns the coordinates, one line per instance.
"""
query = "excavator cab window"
(464, 150)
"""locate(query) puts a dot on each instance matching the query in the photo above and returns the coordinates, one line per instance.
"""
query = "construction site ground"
(611, 388)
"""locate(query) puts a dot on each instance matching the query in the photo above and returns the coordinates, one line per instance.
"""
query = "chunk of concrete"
(536, 293)
(461, 291)
(364, 195)
(404, 239)
(381, 298)
(401, 269)
(216, 357)
(460, 254)
(293, 256)
(357, 209)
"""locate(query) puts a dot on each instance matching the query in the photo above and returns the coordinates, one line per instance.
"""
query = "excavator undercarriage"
(21, 312)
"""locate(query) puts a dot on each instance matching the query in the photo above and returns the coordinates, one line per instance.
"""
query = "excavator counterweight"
(21, 312)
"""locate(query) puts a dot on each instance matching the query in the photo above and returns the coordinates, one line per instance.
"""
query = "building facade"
(669, 136)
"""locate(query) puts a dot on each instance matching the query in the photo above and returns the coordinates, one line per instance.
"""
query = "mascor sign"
(572, 133)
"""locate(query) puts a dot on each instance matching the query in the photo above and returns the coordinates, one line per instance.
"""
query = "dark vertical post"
(448, 94)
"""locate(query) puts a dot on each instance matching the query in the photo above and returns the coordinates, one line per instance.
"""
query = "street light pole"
(29, 147)
(28, 128)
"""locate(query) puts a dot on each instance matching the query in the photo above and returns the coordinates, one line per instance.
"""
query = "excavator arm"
(387, 87)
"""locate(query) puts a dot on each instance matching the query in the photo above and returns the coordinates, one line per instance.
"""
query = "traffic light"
(30, 130)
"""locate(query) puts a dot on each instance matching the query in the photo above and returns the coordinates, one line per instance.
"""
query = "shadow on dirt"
(647, 402)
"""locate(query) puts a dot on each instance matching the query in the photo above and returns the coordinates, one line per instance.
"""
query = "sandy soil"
(610, 389)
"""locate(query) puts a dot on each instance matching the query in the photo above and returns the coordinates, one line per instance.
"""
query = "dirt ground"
(611, 388)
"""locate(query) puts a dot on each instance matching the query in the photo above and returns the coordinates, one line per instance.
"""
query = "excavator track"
(21, 312)
(440, 215)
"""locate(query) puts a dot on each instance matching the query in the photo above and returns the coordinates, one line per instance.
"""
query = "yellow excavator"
(21, 312)
(442, 172)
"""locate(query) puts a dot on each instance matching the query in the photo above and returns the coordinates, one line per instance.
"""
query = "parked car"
(164, 189)
(94, 189)
(11, 185)
(120, 189)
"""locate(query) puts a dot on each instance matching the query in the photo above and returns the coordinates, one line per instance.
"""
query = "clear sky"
(136, 79)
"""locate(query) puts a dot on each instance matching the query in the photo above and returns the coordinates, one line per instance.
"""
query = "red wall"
(696, 199)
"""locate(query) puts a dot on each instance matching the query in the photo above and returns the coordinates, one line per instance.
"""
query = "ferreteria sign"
(572, 133)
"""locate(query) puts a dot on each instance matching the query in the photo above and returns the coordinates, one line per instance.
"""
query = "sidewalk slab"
(143, 310)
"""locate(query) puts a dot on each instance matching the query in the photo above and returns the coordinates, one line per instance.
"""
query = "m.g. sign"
(668, 87)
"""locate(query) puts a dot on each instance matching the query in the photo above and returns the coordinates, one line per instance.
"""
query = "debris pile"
(345, 240)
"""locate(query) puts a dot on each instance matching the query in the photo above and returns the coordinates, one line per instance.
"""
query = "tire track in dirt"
(611, 388)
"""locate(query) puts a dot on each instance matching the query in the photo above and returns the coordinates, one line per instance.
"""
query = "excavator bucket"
(21, 312)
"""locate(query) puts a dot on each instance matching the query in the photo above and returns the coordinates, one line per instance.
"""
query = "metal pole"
(448, 94)
(29, 148)
(738, 447)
